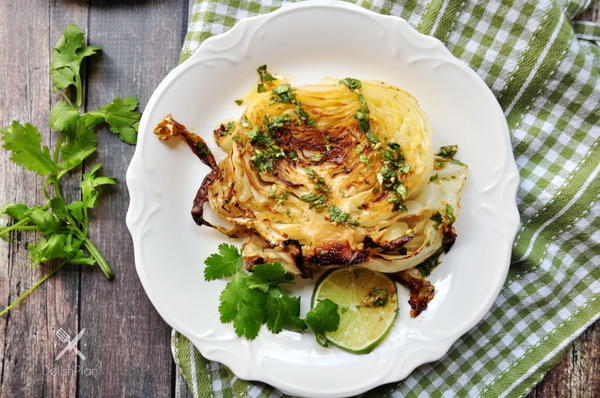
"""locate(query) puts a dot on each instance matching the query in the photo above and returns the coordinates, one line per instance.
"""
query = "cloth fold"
(545, 73)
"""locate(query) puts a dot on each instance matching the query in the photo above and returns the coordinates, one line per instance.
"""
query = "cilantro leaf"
(242, 305)
(251, 313)
(63, 116)
(89, 186)
(80, 143)
(57, 246)
(267, 275)
(323, 317)
(229, 298)
(25, 143)
(121, 117)
(282, 311)
(18, 211)
(224, 264)
(274, 273)
(46, 221)
(67, 55)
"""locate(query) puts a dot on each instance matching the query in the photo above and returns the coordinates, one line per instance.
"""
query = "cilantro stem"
(32, 288)
(93, 250)
(79, 91)
(104, 267)
(58, 145)
(16, 225)
(61, 174)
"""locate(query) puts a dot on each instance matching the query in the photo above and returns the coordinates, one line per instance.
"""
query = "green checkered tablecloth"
(544, 70)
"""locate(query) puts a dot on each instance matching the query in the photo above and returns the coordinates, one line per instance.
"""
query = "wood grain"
(126, 340)
(28, 333)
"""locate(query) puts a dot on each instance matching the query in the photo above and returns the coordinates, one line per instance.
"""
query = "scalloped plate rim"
(510, 179)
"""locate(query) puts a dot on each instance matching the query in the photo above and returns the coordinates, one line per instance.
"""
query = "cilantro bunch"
(250, 300)
(64, 226)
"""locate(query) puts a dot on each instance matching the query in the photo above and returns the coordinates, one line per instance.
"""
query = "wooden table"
(126, 343)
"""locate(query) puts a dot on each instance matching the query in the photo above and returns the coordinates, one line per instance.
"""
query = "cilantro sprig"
(251, 300)
(62, 225)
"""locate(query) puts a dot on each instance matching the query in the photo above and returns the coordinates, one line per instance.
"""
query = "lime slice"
(367, 303)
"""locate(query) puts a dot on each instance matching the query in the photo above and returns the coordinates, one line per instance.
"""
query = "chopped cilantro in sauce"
(337, 216)
(394, 167)
(244, 122)
(264, 75)
(362, 114)
(264, 159)
(223, 129)
(310, 172)
(352, 84)
(258, 138)
(450, 214)
(440, 163)
(304, 116)
(284, 93)
(437, 219)
(448, 151)
(430, 263)
(280, 197)
(364, 159)
(320, 183)
(202, 148)
(239, 102)
(313, 200)
(276, 123)
(377, 297)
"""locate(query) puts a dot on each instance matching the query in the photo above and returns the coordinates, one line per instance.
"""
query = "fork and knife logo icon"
(71, 344)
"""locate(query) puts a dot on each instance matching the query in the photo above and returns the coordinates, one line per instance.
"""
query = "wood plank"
(126, 339)
(578, 372)
(27, 334)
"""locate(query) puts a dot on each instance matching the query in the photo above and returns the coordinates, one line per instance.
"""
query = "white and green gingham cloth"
(544, 70)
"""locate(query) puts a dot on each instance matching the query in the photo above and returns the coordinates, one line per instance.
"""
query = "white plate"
(305, 42)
